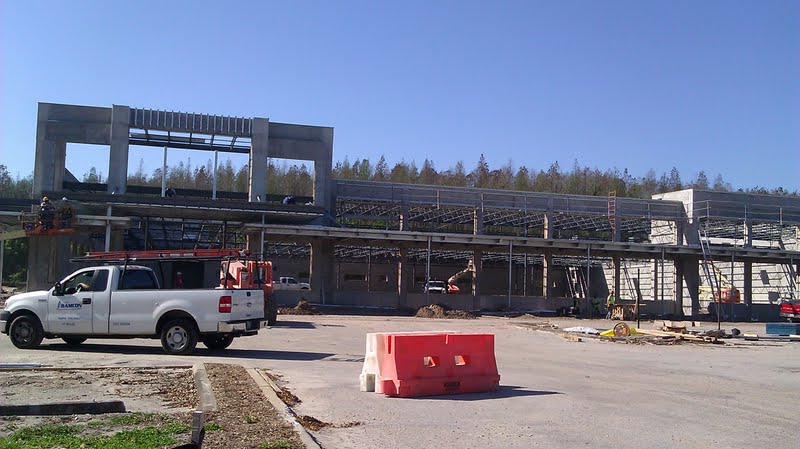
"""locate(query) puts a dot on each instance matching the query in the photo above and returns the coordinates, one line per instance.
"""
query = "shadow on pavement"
(200, 351)
(505, 391)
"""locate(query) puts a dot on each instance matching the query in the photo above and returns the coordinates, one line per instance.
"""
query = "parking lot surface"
(553, 392)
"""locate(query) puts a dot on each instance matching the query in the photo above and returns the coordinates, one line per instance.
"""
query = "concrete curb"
(268, 388)
(205, 394)
(63, 408)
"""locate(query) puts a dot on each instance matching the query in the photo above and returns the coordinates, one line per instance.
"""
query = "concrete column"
(59, 164)
(617, 279)
(748, 233)
(617, 236)
(324, 191)
(259, 150)
(548, 220)
(48, 261)
(656, 281)
(44, 161)
(403, 275)
(404, 217)
(677, 287)
(748, 288)
(678, 237)
(477, 259)
(547, 276)
(477, 221)
(691, 275)
(118, 159)
(323, 258)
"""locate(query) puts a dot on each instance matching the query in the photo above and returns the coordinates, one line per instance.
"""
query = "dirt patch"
(313, 424)
(158, 400)
(244, 419)
(437, 311)
(288, 397)
(142, 389)
(302, 308)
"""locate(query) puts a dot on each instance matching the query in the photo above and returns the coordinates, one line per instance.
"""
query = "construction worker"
(65, 214)
(610, 301)
(46, 214)
(179, 280)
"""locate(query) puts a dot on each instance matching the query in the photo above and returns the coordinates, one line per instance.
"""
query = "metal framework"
(148, 233)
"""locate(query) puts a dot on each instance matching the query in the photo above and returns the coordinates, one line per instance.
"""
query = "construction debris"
(302, 308)
(438, 311)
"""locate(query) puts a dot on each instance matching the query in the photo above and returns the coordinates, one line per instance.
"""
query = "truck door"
(71, 311)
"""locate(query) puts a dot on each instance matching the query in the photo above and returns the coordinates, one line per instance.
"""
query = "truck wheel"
(178, 337)
(26, 332)
(217, 341)
(73, 341)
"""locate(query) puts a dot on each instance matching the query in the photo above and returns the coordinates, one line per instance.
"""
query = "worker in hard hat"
(610, 302)
(65, 214)
(46, 214)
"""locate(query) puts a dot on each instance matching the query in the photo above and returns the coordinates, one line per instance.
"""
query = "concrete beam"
(118, 159)
(259, 146)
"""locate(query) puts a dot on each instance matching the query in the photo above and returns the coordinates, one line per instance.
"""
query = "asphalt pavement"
(554, 393)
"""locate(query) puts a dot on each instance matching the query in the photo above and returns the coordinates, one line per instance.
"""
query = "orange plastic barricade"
(374, 353)
(429, 365)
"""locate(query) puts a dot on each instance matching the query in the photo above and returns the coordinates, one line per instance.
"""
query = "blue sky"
(700, 85)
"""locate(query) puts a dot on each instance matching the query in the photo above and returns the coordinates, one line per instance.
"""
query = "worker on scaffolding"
(65, 215)
(610, 302)
(46, 214)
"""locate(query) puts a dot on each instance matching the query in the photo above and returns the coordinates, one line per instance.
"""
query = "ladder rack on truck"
(238, 268)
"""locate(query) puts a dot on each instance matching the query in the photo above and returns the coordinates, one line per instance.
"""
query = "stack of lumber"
(714, 337)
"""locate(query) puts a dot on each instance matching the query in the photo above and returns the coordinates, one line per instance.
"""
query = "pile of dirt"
(302, 308)
(437, 311)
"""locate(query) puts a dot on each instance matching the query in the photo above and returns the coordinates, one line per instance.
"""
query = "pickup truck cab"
(289, 283)
(126, 302)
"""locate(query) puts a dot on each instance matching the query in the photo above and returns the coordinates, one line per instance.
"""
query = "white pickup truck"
(126, 302)
(289, 283)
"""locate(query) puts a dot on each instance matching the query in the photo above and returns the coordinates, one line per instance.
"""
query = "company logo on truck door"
(68, 305)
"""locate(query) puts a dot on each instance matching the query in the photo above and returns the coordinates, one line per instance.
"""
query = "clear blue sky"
(700, 85)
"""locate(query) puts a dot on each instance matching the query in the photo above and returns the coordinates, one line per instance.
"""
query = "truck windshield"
(138, 280)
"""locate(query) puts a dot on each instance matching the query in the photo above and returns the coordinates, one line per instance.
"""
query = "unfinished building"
(376, 244)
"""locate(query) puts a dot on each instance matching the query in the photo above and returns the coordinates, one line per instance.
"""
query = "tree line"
(296, 179)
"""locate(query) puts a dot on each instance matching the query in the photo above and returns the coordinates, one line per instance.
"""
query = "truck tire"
(26, 332)
(73, 341)
(178, 337)
(217, 342)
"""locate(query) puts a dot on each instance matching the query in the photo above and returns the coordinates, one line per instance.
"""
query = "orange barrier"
(436, 364)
